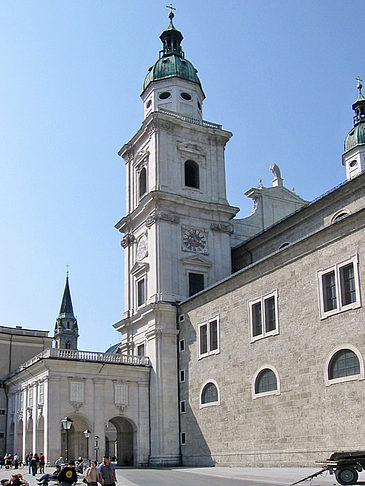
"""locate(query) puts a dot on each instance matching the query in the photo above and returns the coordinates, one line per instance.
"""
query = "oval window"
(186, 96)
(353, 163)
(149, 103)
(164, 95)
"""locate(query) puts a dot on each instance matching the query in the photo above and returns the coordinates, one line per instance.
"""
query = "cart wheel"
(347, 475)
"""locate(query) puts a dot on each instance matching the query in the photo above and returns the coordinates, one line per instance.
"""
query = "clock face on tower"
(195, 240)
(142, 247)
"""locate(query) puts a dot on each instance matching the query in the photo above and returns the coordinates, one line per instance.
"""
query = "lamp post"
(96, 447)
(66, 424)
(87, 435)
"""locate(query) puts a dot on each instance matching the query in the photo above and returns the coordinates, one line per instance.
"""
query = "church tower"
(176, 229)
(354, 157)
(66, 330)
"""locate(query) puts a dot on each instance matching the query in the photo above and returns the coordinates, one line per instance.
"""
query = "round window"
(199, 105)
(164, 95)
(352, 163)
(149, 103)
(186, 96)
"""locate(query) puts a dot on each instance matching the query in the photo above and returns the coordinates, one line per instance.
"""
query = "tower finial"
(67, 270)
(171, 13)
(359, 85)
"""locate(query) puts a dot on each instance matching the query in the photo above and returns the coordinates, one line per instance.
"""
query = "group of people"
(35, 463)
(94, 474)
(10, 461)
(67, 475)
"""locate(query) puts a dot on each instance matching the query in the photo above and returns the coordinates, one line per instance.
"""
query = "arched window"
(209, 394)
(343, 363)
(265, 381)
(142, 182)
(340, 215)
(191, 174)
(68, 345)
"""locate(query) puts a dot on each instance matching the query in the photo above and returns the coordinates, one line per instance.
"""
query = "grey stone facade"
(309, 416)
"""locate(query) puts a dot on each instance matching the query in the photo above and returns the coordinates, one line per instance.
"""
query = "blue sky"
(279, 74)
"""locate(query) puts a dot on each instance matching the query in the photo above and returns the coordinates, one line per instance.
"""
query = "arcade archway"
(120, 441)
(76, 439)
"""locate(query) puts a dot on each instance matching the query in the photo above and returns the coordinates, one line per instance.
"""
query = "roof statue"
(278, 180)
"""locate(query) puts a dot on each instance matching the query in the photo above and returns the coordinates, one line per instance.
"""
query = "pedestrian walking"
(107, 470)
(93, 475)
(33, 464)
(16, 461)
(41, 462)
(67, 476)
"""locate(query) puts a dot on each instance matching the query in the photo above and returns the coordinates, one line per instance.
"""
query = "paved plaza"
(207, 476)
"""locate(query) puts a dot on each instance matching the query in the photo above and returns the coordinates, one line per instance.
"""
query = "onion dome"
(171, 62)
(356, 136)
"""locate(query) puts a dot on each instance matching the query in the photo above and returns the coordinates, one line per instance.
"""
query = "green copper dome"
(356, 136)
(171, 62)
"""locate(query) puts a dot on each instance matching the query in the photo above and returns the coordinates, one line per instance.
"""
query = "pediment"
(139, 268)
(191, 147)
(197, 261)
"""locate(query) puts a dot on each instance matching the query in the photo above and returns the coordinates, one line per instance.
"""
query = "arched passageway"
(40, 435)
(19, 440)
(76, 439)
(120, 441)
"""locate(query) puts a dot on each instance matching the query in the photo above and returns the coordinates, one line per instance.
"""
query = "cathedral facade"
(241, 339)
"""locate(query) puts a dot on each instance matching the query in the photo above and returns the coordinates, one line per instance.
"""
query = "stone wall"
(308, 418)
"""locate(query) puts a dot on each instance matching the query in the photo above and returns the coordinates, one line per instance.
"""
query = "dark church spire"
(66, 330)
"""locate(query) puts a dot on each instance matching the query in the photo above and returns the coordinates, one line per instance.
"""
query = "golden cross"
(171, 13)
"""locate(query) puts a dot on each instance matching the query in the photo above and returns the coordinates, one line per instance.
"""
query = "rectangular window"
(121, 394)
(76, 391)
(141, 292)
(30, 397)
(339, 288)
(182, 406)
(209, 337)
(182, 376)
(183, 438)
(2, 435)
(196, 283)
(2, 411)
(41, 394)
(263, 316)
(140, 350)
(21, 402)
(182, 345)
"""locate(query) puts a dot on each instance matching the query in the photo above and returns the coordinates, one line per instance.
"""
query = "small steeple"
(66, 330)
(354, 147)
(171, 38)
(359, 105)
(66, 309)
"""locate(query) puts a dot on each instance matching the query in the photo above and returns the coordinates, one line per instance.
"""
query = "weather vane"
(359, 85)
(171, 13)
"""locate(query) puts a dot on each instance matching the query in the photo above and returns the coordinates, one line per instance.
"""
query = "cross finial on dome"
(359, 85)
(171, 13)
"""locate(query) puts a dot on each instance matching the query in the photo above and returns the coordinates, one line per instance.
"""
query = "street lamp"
(87, 435)
(66, 424)
(96, 447)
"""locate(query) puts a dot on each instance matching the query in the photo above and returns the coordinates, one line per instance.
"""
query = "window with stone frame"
(141, 291)
(76, 391)
(196, 283)
(339, 288)
(30, 397)
(266, 382)
(142, 182)
(343, 363)
(208, 334)
(191, 172)
(41, 394)
(263, 316)
(140, 350)
(209, 394)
